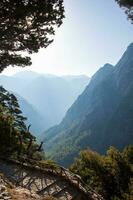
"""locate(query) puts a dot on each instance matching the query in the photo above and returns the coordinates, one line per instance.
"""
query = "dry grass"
(24, 194)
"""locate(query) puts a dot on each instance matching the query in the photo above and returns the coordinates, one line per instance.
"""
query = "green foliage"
(10, 103)
(110, 175)
(48, 164)
(8, 135)
(26, 26)
(15, 138)
(128, 154)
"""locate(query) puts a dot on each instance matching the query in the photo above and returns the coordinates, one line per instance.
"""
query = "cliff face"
(100, 117)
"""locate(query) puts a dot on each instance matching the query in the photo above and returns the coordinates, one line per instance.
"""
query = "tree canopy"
(26, 26)
(110, 175)
(15, 137)
(127, 5)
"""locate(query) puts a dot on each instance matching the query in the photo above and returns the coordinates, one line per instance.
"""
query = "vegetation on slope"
(110, 175)
(101, 117)
(15, 137)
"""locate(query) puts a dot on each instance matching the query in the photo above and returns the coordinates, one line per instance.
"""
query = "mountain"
(49, 95)
(101, 116)
(52, 95)
(18, 81)
(11, 83)
(26, 75)
(33, 117)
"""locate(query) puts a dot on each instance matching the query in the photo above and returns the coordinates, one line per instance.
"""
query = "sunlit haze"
(93, 33)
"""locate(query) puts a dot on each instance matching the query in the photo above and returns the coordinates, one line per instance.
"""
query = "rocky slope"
(102, 115)
(29, 182)
(8, 191)
(11, 192)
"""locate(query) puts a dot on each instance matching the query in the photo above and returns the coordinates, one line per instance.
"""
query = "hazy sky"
(94, 32)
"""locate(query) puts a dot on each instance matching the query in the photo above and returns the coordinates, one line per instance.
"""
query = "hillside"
(53, 95)
(100, 117)
(50, 95)
(33, 117)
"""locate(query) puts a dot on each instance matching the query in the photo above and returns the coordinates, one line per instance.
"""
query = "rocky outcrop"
(4, 189)
(36, 183)
(9, 191)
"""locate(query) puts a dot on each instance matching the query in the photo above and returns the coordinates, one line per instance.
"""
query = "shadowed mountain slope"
(100, 117)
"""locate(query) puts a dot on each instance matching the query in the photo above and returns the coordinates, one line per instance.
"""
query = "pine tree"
(127, 5)
(15, 137)
(26, 26)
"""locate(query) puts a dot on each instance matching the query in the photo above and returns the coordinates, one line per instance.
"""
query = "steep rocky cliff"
(102, 115)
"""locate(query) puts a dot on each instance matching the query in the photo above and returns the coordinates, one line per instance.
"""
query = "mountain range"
(102, 115)
(44, 99)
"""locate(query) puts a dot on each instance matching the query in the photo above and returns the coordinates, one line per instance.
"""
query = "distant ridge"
(49, 95)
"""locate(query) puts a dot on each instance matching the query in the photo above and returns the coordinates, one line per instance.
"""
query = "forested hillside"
(100, 117)
(15, 136)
